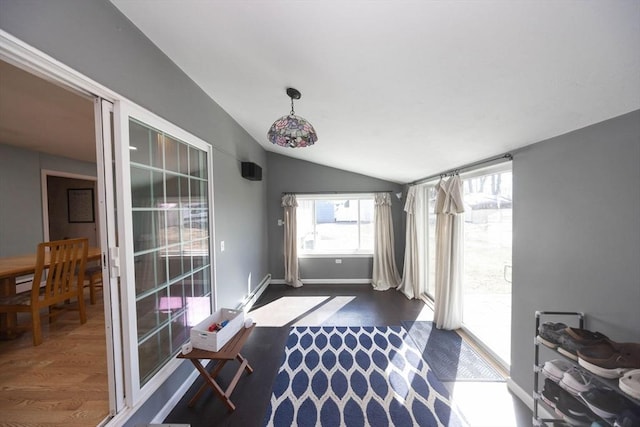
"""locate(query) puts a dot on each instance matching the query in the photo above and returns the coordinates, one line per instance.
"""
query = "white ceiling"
(40, 116)
(395, 89)
(403, 89)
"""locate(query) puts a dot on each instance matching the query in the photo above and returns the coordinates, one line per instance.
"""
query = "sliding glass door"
(164, 175)
(487, 259)
(487, 254)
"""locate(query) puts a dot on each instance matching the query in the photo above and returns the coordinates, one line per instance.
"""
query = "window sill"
(336, 255)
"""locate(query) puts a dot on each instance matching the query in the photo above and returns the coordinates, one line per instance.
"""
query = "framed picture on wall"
(80, 205)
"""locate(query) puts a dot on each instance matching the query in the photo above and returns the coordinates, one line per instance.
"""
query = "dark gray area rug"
(450, 358)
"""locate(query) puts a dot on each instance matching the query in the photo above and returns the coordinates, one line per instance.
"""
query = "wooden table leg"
(242, 360)
(209, 380)
(8, 321)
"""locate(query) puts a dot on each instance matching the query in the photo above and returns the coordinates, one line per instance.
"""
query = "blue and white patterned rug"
(356, 376)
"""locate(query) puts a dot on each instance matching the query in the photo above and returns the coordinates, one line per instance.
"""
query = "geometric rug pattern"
(450, 357)
(356, 376)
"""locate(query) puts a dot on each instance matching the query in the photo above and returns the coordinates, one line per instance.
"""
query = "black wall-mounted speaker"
(251, 171)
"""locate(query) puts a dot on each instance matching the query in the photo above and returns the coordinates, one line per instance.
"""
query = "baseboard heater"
(251, 299)
(326, 281)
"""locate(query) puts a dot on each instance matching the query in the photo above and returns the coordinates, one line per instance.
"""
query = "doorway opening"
(48, 152)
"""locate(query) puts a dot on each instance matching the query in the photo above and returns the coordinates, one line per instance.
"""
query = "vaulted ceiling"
(401, 89)
(396, 89)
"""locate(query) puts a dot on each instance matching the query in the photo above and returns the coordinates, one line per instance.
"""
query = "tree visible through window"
(487, 255)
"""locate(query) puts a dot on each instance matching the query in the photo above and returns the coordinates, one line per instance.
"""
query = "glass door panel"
(167, 263)
(487, 260)
(170, 214)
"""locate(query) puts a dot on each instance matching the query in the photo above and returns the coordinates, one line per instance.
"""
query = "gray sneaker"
(549, 333)
(576, 381)
(556, 368)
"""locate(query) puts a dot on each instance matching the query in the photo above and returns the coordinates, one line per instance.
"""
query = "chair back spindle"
(58, 279)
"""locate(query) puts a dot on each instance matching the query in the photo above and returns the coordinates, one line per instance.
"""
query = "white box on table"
(213, 341)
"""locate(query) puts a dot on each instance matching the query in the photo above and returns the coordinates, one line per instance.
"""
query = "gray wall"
(298, 176)
(94, 38)
(576, 244)
(58, 208)
(577, 201)
(20, 187)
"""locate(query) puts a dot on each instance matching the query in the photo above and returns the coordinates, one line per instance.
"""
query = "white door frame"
(22, 55)
(123, 112)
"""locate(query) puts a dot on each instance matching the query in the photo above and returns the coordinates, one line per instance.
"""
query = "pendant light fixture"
(291, 130)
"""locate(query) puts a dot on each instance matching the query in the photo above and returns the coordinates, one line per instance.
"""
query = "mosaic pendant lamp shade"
(291, 130)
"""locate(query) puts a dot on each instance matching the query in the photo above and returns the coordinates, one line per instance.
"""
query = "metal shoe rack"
(537, 421)
(537, 368)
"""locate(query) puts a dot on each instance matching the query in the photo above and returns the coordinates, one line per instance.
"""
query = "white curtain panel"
(410, 284)
(385, 272)
(449, 254)
(291, 273)
(416, 255)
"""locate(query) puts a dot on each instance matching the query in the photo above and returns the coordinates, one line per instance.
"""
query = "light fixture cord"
(292, 112)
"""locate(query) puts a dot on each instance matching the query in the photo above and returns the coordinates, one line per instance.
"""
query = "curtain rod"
(337, 192)
(506, 156)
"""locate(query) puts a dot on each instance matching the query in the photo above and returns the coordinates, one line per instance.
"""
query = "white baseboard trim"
(326, 281)
(527, 399)
(519, 392)
(175, 398)
(251, 299)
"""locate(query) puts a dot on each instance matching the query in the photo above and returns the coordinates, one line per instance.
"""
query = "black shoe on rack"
(606, 403)
(549, 333)
(572, 411)
(628, 419)
(551, 393)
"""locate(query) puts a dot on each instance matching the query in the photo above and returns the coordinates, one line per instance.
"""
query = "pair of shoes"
(565, 405)
(555, 369)
(571, 340)
(610, 359)
(567, 340)
(606, 403)
(572, 410)
(549, 333)
(629, 383)
(576, 381)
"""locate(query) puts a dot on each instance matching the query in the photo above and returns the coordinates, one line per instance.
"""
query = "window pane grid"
(170, 210)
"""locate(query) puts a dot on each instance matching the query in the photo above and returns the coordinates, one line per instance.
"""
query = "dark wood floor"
(326, 305)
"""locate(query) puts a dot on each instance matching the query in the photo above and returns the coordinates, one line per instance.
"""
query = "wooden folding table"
(228, 352)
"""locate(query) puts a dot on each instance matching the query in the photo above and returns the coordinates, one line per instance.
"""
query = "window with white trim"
(335, 224)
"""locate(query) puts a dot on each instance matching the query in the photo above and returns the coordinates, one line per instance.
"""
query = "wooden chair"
(94, 275)
(58, 261)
